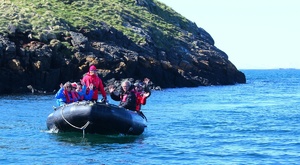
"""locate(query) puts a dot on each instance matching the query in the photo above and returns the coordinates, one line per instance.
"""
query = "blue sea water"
(253, 123)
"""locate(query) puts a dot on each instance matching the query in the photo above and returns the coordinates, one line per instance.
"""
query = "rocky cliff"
(45, 43)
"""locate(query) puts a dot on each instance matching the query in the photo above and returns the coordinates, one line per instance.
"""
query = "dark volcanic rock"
(30, 65)
(39, 63)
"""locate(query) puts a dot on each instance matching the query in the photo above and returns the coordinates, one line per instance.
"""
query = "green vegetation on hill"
(138, 22)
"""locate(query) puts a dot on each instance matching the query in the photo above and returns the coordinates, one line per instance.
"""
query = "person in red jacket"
(142, 92)
(92, 78)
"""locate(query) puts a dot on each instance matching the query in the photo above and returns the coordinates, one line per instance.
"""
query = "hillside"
(46, 42)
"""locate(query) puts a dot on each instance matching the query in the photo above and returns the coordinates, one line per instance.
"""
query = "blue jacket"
(61, 98)
(83, 93)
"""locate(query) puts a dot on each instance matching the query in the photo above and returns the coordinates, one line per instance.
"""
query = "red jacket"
(140, 100)
(97, 82)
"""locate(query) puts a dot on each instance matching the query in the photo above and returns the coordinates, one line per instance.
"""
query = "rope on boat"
(80, 128)
(142, 115)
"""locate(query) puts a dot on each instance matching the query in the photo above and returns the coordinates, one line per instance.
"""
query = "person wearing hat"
(74, 93)
(92, 78)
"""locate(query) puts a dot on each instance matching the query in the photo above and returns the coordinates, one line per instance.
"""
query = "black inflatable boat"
(99, 118)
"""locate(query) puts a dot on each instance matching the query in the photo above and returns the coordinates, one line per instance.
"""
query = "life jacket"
(75, 96)
(81, 98)
(138, 100)
(128, 99)
(66, 93)
(123, 97)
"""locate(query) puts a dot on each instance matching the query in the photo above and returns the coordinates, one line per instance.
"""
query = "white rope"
(81, 128)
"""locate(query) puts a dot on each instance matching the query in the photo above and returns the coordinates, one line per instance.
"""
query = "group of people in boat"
(130, 96)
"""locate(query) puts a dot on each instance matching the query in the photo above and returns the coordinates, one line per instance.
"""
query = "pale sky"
(255, 34)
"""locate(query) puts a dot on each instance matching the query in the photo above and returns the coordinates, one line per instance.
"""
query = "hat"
(92, 68)
(74, 85)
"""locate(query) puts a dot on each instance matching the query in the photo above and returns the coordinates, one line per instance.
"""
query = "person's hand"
(61, 85)
(91, 86)
(82, 82)
(111, 88)
(146, 94)
(104, 100)
(146, 80)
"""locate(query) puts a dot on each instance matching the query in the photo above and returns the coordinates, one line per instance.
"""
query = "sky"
(255, 34)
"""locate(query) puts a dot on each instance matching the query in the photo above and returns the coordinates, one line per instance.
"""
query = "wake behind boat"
(99, 118)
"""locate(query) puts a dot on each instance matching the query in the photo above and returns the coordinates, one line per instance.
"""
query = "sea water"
(253, 123)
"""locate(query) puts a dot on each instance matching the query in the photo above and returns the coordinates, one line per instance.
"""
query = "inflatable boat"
(96, 118)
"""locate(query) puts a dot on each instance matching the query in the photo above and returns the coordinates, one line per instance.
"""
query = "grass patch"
(41, 17)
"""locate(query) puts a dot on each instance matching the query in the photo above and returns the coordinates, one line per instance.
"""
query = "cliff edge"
(45, 43)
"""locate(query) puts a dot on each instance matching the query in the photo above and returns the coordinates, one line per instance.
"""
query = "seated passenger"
(75, 95)
(126, 95)
(146, 84)
(83, 92)
(141, 95)
(64, 95)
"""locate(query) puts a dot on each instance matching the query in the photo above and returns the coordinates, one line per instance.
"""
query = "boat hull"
(99, 118)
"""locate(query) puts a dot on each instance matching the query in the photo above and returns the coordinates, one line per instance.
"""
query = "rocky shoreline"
(39, 63)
